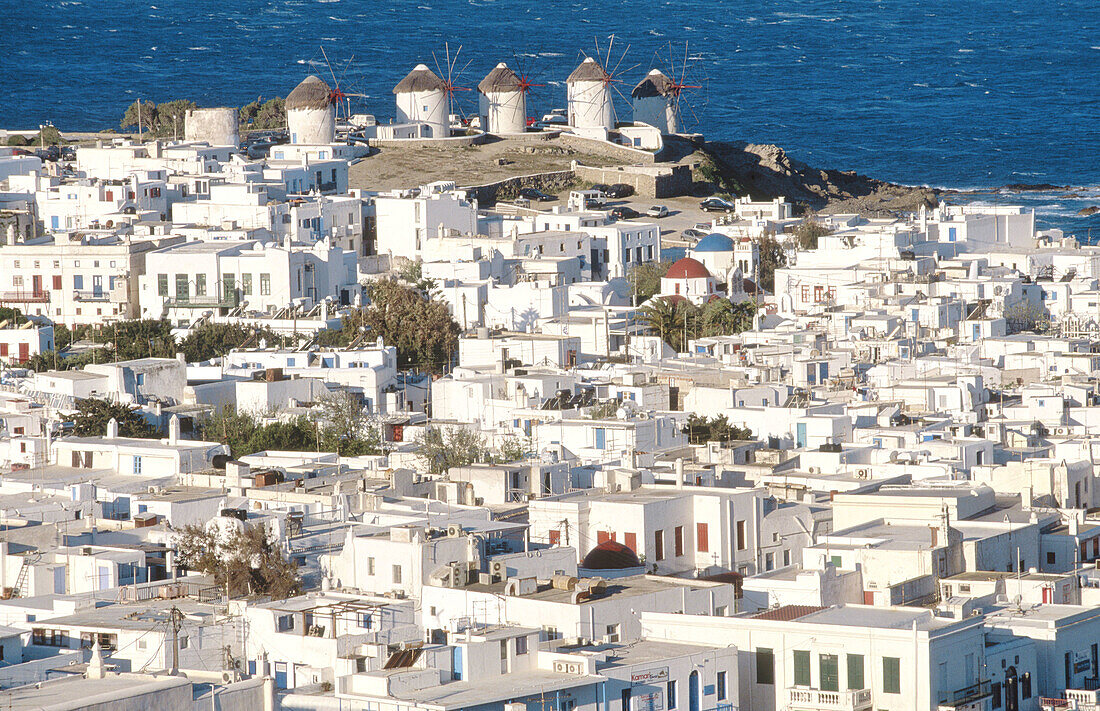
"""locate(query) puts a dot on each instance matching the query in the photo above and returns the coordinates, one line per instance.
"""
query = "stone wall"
(449, 142)
(648, 181)
(605, 149)
(552, 182)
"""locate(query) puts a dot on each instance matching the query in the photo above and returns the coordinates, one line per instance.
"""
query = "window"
(702, 544)
(162, 285)
(612, 633)
(370, 566)
(786, 557)
(265, 284)
(670, 692)
(769, 561)
(17, 280)
(855, 671)
(741, 543)
(995, 689)
(678, 540)
(891, 675)
(1025, 685)
(246, 284)
(48, 638)
(396, 574)
(1050, 558)
(801, 667)
(137, 465)
(658, 545)
(503, 649)
(200, 285)
(829, 670)
(765, 666)
(721, 686)
(521, 645)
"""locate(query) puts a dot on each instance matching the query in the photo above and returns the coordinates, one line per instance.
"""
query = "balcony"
(93, 295)
(817, 700)
(968, 695)
(228, 301)
(1086, 699)
(24, 297)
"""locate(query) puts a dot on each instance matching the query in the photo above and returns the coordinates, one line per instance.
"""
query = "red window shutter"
(3, 350)
(702, 543)
(602, 536)
(555, 537)
(57, 282)
(678, 540)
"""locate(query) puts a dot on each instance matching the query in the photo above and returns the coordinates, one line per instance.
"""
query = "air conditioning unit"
(454, 531)
(813, 470)
(498, 568)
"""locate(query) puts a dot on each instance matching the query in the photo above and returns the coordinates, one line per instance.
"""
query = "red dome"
(687, 268)
(610, 555)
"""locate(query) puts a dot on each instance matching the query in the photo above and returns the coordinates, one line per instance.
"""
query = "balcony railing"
(227, 301)
(814, 699)
(969, 694)
(25, 297)
(84, 295)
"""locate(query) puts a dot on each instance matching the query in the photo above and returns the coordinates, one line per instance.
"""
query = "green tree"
(48, 135)
(247, 562)
(271, 115)
(772, 256)
(441, 448)
(93, 414)
(14, 316)
(603, 411)
(645, 279)
(808, 232)
(170, 118)
(721, 317)
(213, 340)
(675, 320)
(345, 427)
(143, 111)
(17, 139)
(513, 449)
(420, 327)
(701, 429)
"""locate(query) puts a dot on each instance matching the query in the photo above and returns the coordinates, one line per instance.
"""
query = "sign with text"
(649, 676)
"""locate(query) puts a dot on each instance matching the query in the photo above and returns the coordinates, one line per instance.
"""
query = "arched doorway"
(694, 700)
(1012, 694)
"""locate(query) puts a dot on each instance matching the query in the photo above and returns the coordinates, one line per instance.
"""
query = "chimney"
(1026, 498)
(679, 472)
(182, 359)
(174, 430)
(112, 428)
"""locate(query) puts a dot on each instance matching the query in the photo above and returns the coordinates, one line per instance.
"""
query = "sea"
(979, 95)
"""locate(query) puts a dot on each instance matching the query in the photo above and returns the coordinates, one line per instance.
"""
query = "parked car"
(714, 204)
(536, 195)
(704, 227)
(693, 234)
(625, 213)
(657, 211)
(618, 191)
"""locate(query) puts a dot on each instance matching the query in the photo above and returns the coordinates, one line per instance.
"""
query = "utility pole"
(139, 120)
(174, 618)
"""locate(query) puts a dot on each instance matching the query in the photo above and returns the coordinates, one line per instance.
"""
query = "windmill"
(593, 85)
(451, 73)
(659, 99)
(338, 95)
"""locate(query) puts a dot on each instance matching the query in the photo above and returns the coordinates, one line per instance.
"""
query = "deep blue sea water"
(961, 94)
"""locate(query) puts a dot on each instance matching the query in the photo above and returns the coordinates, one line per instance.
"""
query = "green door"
(830, 672)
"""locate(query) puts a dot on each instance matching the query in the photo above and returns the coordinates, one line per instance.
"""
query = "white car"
(657, 211)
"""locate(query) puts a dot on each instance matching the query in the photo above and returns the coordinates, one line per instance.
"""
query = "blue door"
(800, 434)
(601, 438)
(693, 692)
(280, 675)
(104, 581)
(456, 663)
(824, 373)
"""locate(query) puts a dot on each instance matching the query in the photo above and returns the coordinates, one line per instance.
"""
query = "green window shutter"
(830, 672)
(801, 668)
(855, 671)
(891, 675)
(765, 666)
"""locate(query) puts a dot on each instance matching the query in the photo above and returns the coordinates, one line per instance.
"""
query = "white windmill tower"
(588, 92)
(657, 98)
(422, 97)
(503, 101)
(311, 112)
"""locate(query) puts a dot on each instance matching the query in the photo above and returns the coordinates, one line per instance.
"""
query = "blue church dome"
(714, 242)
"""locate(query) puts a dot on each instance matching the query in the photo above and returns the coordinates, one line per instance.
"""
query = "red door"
(555, 537)
(24, 352)
(36, 284)
(868, 597)
(630, 540)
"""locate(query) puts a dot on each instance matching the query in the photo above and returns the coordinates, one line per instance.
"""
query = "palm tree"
(660, 316)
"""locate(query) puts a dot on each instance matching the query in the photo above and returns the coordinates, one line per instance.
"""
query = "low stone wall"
(648, 181)
(449, 142)
(552, 182)
(247, 695)
(606, 149)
